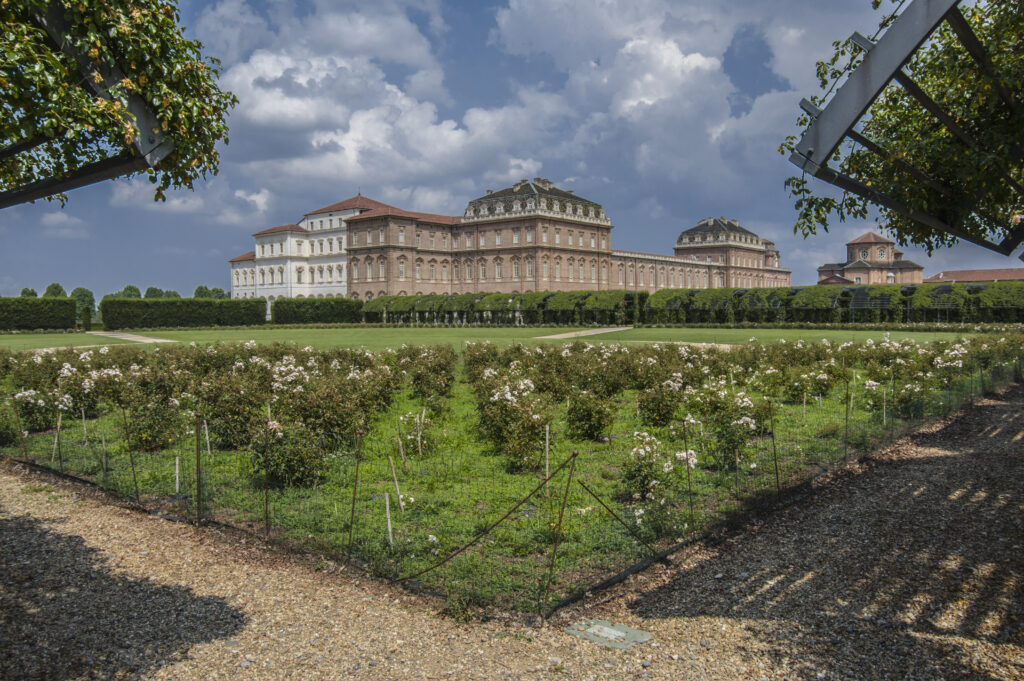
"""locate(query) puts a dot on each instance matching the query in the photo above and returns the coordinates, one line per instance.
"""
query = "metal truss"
(883, 62)
(149, 144)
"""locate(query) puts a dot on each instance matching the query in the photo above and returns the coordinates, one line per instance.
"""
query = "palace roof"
(538, 187)
(281, 228)
(245, 257)
(713, 225)
(998, 274)
(358, 202)
(391, 211)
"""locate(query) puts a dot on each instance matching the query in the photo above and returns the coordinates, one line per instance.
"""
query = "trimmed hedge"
(37, 313)
(889, 303)
(135, 313)
(316, 310)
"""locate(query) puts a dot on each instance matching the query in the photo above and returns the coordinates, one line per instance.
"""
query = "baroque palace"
(532, 236)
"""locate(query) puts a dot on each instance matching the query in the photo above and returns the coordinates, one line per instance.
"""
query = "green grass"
(374, 338)
(32, 341)
(736, 336)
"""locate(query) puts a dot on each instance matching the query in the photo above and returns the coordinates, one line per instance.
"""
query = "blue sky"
(665, 112)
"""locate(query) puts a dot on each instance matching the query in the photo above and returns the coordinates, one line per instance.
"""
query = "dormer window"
(864, 255)
(881, 253)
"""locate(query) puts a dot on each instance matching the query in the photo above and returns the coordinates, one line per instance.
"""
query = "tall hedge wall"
(37, 313)
(134, 313)
(989, 302)
(316, 310)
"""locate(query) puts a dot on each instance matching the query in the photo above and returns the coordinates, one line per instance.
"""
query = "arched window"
(558, 270)
(382, 269)
(298, 275)
(497, 270)
(431, 271)
(444, 272)
(544, 270)
(401, 269)
(419, 271)
(469, 271)
(529, 269)
(483, 269)
(515, 269)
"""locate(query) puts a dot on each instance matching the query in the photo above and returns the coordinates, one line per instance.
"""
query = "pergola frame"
(149, 144)
(883, 62)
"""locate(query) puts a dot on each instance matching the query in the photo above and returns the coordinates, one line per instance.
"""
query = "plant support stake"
(199, 470)
(355, 490)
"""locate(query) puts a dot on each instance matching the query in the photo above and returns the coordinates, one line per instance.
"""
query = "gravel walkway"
(585, 332)
(133, 337)
(910, 566)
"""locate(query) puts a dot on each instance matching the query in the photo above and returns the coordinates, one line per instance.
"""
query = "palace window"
(444, 272)
(544, 235)
(369, 237)
(431, 272)
(271, 249)
(515, 270)
(444, 241)
(419, 271)
(381, 235)
(593, 272)
(881, 253)
(401, 269)
(382, 270)
(603, 243)
(558, 237)
(483, 240)
(529, 269)
(544, 269)
(515, 237)
(418, 236)
(401, 236)
(604, 273)
(355, 238)
(529, 236)
(298, 275)
(591, 240)
(581, 271)
(431, 239)
(469, 271)
(497, 240)
(497, 270)
(483, 270)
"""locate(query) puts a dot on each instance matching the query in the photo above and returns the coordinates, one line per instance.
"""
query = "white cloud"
(260, 200)
(60, 225)
(231, 28)
(60, 219)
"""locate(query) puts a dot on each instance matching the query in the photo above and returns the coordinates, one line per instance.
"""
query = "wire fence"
(446, 524)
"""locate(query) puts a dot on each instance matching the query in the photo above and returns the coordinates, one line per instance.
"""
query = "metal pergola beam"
(882, 63)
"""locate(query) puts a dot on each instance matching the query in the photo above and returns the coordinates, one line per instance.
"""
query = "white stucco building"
(302, 260)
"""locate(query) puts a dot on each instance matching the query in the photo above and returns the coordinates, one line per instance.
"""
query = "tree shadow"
(64, 614)
(922, 556)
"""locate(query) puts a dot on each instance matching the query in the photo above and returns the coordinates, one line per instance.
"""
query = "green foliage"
(37, 313)
(315, 310)
(129, 291)
(84, 300)
(215, 293)
(124, 313)
(153, 292)
(43, 94)
(29, 293)
(55, 290)
(171, 293)
(909, 135)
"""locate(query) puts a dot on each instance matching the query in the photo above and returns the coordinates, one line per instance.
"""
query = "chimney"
(490, 191)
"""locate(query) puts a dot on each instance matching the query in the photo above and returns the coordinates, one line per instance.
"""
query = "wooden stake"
(103, 446)
(355, 490)
(547, 456)
(387, 512)
(398, 492)
(56, 439)
(805, 407)
(85, 434)
(775, 453)
(206, 431)
(401, 449)
(883, 407)
(199, 471)
(177, 475)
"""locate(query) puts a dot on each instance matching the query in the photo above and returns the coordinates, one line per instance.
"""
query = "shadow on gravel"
(64, 614)
(921, 557)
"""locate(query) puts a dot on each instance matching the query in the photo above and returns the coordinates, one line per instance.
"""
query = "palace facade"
(532, 236)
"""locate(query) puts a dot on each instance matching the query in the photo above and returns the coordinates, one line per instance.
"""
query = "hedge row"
(134, 313)
(37, 313)
(970, 303)
(315, 310)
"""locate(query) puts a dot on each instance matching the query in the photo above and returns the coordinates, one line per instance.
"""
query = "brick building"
(871, 259)
(532, 236)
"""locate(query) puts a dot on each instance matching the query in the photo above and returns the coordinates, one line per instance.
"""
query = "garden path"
(135, 338)
(585, 332)
(907, 565)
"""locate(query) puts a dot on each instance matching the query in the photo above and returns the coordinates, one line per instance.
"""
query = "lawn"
(31, 341)
(373, 338)
(736, 336)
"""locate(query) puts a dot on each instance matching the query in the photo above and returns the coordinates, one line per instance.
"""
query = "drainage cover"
(616, 636)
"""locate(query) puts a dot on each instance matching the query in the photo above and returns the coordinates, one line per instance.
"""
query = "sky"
(666, 112)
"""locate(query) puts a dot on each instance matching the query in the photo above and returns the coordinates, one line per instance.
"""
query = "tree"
(129, 291)
(154, 292)
(84, 299)
(201, 292)
(218, 293)
(55, 290)
(29, 293)
(134, 53)
(171, 293)
(990, 173)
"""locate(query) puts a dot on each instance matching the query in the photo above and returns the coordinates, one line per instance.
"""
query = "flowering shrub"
(512, 418)
(417, 433)
(589, 417)
(36, 410)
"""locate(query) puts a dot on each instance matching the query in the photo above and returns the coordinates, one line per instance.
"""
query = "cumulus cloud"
(60, 225)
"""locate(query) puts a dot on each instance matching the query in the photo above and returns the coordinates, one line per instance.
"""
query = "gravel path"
(133, 337)
(910, 566)
(585, 332)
